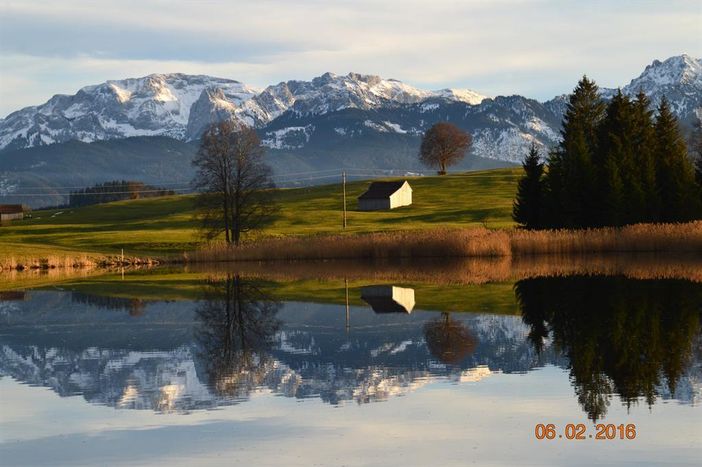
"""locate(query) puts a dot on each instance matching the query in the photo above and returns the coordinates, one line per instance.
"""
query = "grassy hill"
(167, 225)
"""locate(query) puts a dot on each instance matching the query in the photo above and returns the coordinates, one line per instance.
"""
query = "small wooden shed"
(385, 195)
(11, 212)
(388, 298)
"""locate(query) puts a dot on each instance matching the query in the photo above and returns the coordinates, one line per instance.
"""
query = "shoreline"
(438, 243)
(458, 271)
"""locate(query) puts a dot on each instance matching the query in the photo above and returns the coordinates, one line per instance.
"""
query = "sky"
(536, 48)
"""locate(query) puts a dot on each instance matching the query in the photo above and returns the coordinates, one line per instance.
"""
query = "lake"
(354, 365)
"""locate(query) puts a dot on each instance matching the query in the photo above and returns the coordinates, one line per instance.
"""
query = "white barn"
(385, 195)
(11, 212)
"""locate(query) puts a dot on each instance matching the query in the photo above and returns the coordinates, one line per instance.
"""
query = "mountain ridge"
(162, 104)
(181, 106)
(330, 122)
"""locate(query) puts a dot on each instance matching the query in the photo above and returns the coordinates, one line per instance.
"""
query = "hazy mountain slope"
(52, 170)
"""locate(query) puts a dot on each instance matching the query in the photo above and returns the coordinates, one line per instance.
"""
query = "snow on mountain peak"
(461, 95)
(674, 71)
(181, 106)
(157, 104)
(677, 78)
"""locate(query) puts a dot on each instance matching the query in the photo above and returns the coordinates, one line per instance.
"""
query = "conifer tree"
(618, 175)
(675, 173)
(644, 144)
(696, 147)
(572, 193)
(527, 207)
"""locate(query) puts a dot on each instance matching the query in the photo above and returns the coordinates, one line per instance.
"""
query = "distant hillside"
(158, 226)
(46, 174)
(50, 171)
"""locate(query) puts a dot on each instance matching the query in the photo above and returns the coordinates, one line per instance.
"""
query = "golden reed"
(465, 243)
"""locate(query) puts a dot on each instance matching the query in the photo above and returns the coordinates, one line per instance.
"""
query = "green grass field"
(167, 225)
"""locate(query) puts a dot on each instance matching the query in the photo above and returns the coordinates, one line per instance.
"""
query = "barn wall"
(402, 197)
(12, 217)
(373, 204)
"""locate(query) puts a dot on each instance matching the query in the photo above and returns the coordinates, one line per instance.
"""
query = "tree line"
(617, 164)
(116, 190)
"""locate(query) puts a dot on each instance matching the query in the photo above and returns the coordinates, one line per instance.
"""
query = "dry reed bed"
(670, 238)
(386, 245)
(72, 262)
(415, 245)
(48, 262)
(458, 243)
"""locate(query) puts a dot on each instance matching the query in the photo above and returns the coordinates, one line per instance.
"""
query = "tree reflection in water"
(237, 324)
(621, 336)
(448, 340)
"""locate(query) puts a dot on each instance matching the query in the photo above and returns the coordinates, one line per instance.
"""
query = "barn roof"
(381, 190)
(10, 208)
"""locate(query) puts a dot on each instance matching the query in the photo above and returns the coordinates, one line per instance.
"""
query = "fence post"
(343, 179)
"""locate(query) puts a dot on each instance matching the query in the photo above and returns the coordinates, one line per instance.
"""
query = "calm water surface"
(223, 369)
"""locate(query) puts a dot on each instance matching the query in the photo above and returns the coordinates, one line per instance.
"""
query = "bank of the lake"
(665, 239)
(458, 215)
(165, 226)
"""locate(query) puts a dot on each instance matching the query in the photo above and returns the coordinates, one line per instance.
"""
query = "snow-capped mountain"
(181, 106)
(155, 105)
(147, 128)
(330, 92)
(679, 79)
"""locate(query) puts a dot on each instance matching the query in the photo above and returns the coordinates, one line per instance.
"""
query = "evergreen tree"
(675, 173)
(621, 197)
(527, 206)
(614, 166)
(696, 146)
(644, 144)
(572, 193)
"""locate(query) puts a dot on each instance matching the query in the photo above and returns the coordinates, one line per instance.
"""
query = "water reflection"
(237, 325)
(636, 339)
(448, 340)
(135, 306)
(631, 338)
(388, 298)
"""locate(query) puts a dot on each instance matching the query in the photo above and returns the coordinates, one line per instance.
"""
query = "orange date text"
(579, 431)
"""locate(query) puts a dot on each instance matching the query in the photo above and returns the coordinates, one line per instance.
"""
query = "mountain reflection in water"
(632, 339)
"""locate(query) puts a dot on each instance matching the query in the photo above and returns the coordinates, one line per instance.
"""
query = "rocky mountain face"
(332, 121)
(181, 106)
(156, 105)
(679, 79)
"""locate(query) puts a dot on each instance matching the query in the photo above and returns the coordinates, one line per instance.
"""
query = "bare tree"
(444, 144)
(233, 181)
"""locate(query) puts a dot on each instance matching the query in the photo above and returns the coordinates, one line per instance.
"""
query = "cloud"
(536, 48)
